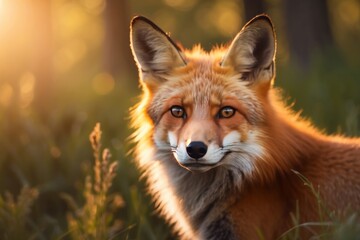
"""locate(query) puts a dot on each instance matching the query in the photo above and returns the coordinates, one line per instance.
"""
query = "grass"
(95, 219)
(14, 214)
(50, 174)
(330, 224)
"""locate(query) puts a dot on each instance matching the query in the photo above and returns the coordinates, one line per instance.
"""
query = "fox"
(223, 155)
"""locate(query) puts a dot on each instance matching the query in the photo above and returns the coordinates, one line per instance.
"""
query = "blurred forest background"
(66, 65)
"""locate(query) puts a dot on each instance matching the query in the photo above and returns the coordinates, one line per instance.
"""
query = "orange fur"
(244, 183)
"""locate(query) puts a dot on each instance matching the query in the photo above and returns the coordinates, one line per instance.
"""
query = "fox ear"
(153, 49)
(252, 52)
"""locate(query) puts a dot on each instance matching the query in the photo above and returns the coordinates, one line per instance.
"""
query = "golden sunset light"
(91, 133)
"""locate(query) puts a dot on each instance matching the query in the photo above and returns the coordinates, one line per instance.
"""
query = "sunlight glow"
(71, 17)
(349, 12)
(103, 83)
(181, 4)
(6, 93)
(69, 55)
(94, 6)
(27, 83)
(223, 16)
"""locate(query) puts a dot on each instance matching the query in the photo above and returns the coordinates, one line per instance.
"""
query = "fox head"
(206, 109)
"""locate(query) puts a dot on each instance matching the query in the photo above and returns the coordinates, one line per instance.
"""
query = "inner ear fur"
(252, 52)
(154, 51)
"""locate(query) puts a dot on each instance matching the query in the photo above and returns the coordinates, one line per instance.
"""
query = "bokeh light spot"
(71, 17)
(225, 17)
(94, 6)
(69, 55)
(55, 152)
(103, 83)
(181, 4)
(349, 12)
(222, 15)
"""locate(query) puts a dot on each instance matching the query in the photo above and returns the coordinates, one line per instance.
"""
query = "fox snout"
(196, 149)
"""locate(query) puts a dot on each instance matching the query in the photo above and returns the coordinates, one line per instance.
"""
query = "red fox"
(219, 148)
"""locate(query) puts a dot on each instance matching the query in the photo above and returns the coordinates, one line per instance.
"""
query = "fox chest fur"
(223, 157)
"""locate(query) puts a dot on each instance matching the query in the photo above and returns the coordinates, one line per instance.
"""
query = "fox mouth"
(199, 166)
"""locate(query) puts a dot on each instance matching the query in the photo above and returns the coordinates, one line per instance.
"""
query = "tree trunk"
(253, 8)
(42, 56)
(307, 29)
(117, 55)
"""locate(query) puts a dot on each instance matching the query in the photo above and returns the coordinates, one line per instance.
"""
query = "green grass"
(14, 214)
(95, 219)
(54, 157)
(329, 226)
(49, 182)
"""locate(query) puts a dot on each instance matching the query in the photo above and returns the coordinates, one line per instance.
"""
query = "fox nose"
(196, 149)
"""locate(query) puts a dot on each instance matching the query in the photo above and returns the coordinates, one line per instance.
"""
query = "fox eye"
(178, 112)
(226, 112)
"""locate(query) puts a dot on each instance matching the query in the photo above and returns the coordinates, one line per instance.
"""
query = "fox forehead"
(202, 84)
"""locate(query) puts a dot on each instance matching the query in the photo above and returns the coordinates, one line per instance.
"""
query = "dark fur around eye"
(226, 112)
(178, 111)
